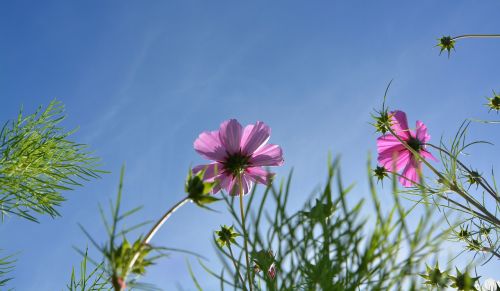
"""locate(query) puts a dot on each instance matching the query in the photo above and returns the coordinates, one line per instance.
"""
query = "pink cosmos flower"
(393, 155)
(235, 151)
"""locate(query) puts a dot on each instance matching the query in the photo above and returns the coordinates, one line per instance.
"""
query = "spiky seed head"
(380, 173)
(494, 102)
(473, 177)
(382, 121)
(226, 235)
(446, 43)
(435, 277)
(464, 281)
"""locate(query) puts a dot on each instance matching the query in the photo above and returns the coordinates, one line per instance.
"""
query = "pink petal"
(230, 135)
(267, 155)
(259, 175)
(410, 174)
(400, 124)
(422, 134)
(254, 136)
(225, 182)
(216, 189)
(209, 146)
(233, 188)
(389, 142)
(247, 184)
(230, 188)
(427, 155)
(397, 159)
(211, 171)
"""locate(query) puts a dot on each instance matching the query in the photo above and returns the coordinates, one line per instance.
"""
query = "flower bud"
(446, 43)
(380, 173)
(494, 102)
(435, 277)
(382, 121)
(463, 281)
(473, 177)
(198, 190)
(226, 236)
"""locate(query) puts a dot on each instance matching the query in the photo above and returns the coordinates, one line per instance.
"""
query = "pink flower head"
(237, 151)
(393, 155)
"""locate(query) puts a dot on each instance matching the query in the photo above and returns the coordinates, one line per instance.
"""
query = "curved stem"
(156, 227)
(453, 187)
(236, 267)
(245, 238)
(476, 36)
(486, 186)
(460, 206)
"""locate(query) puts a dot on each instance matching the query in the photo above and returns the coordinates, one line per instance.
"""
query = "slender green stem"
(236, 266)
(476, 36)
(480, 180)
(157, 226)
(245, 237)
(453, 187)
(460, 206)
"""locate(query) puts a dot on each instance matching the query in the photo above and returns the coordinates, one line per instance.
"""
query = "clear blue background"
(141, 79)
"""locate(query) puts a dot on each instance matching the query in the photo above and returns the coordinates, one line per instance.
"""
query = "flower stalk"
(447, 43)
(476, 36)
(453, 187)
(236, 267)
(157, 226)
(480, 180)
(245, 236)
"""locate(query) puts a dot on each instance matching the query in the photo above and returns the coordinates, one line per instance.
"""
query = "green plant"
(330, 244)
(38, 161)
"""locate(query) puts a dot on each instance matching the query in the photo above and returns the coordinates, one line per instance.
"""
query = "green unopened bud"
(320, 212)
(226, 236)
(446, 43)
(485, 231)
(463, 234)
(435, 277)
(494, 102)
(382, 121)
(125, 253)
(198, 190)
(474, 245)
(380, 173)
(473, 177)
(464, 281)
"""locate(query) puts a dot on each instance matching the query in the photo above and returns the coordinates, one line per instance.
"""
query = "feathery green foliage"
(457, 188)
(125, 262)
(466, 192)
(119, 255)
(95, 280)
(329, 244)
(38, 161)
(6, 265)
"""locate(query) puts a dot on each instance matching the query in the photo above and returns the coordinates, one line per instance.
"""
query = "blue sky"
(141, 79)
